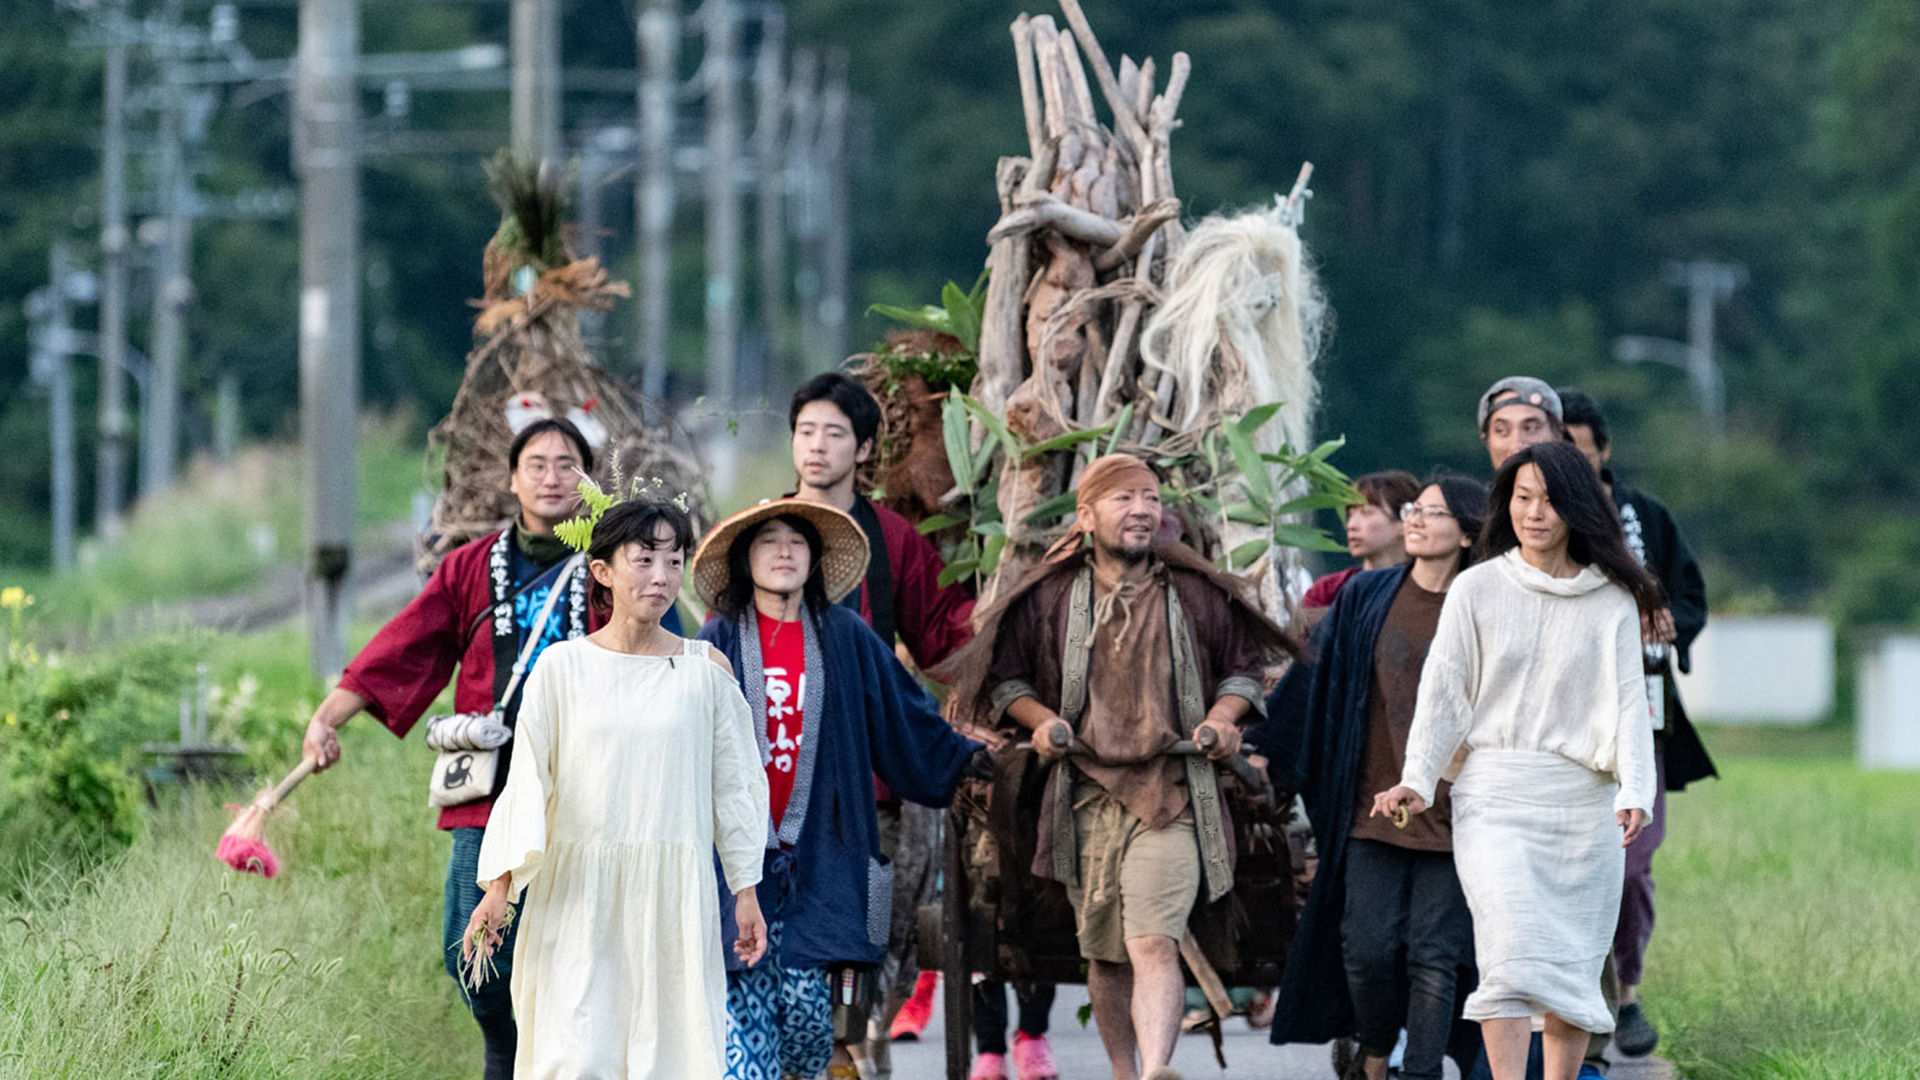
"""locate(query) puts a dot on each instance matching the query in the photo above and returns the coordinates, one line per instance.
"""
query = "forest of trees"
(1500, 189)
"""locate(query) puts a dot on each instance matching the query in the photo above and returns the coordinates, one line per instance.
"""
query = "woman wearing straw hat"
(832, 709)
(636, 765)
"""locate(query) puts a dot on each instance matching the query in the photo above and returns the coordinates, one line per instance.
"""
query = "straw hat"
(843, 563)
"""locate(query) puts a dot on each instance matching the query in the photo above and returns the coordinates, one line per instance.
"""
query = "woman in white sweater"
(1532, 702)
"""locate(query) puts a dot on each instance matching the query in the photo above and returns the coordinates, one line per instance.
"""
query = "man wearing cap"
(1517, 412)
(833, 709)
(1125, 642)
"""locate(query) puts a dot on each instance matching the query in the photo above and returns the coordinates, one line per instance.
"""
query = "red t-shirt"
(783, 654)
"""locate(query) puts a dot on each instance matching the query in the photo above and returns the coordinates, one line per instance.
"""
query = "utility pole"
(803, 173)
(535, 43)
(838, 240)
(50, 311)
(110, 480)
(160, 426)
(1707, 283)
(720, 65)
(722, 32)
(658, 31)
(770, 188)
(326, 149)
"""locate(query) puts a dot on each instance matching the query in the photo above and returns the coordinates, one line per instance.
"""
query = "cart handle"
(1202, 743)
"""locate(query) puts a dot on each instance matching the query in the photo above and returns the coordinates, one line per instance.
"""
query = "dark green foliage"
(1498, 190)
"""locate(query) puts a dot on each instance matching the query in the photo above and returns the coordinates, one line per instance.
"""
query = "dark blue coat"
(1315, 737)
(833, 890)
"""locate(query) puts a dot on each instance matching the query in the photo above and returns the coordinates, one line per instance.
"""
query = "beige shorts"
(1134, 881)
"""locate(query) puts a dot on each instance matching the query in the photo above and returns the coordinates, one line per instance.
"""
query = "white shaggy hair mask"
(1241, 325)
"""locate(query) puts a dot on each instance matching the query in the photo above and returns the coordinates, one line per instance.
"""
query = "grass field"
(165, 963)
(1789, 911)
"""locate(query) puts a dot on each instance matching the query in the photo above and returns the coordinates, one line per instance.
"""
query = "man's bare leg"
(1110, 986)
(1159, 997)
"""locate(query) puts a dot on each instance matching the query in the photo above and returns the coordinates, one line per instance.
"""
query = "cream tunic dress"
(1532, 702)
(628, 773)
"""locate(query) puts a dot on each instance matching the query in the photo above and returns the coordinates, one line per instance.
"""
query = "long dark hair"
(737, 598)
(1593, 525)
(1466, 500)
(635, 521)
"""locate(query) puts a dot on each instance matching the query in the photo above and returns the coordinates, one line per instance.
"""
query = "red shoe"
(1033, 1058)
(912, 1018)
(989, 1067)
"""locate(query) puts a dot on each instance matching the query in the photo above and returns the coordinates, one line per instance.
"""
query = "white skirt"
(1538, 850)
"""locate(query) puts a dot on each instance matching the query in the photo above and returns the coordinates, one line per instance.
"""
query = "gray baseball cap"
(1519, 390)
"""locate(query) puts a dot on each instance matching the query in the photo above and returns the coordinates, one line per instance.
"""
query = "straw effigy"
(529, 360)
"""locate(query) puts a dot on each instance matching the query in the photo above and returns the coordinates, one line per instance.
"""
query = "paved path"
(1249, 1055)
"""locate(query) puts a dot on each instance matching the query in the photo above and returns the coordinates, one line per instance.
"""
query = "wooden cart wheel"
(954, 952)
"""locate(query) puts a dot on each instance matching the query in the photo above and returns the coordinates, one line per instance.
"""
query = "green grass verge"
(1789, 904)
(165, 963)
(218, 530)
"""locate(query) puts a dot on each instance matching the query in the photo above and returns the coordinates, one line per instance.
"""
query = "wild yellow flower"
(13, 719)
(15, 598)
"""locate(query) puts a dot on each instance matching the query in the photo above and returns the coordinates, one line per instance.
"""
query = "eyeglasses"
(1415, 512)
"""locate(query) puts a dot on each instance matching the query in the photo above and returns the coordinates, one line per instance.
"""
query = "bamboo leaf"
(1120, 425)
(937, 522)
(1244, 555)
(984, 456)
(1306, 538)
(990, 558)
(991, 528)
(957, 570)
(1246, 514)
(1253, 467)
(1257, 417)
(1058, 506)
(927, 315)
(1319, 500)
(992, 423)
(957, 435)
(963, 319)
(1063, 442)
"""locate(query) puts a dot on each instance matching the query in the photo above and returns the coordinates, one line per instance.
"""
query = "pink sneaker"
(1033, 1058)
(989, 1067)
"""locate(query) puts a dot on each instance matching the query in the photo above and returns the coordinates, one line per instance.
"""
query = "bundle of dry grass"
(529, 358)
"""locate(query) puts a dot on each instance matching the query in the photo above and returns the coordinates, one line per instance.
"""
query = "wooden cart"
(995, 918)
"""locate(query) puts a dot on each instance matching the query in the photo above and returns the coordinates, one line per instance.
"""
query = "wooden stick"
(1119, 358)
(1124, 119)
(1143, 93)
(1206, 976)
(1140, 228)
(1029, 85)
(267, 800)
(1049, 212)
(1297, 198)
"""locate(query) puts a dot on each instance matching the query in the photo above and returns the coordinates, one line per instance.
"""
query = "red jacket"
(933, 622)
(409, 662)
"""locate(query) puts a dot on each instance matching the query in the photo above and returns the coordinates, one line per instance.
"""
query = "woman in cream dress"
(1532, 701)
(635, 762)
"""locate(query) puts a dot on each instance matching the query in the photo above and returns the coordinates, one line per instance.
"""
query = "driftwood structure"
(1102, 308)
(528, 360)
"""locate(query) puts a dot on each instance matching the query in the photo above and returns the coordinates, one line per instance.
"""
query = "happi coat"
(825, 877)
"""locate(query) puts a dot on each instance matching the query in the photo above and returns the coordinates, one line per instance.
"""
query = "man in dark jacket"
(1679, 755)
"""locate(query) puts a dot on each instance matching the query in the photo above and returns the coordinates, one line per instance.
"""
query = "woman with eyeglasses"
(1385, 933)
(1533, 703)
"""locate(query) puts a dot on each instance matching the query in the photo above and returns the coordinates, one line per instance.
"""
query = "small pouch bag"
(469, 743)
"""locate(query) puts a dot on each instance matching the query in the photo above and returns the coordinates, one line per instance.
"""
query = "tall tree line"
(1499, 189)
